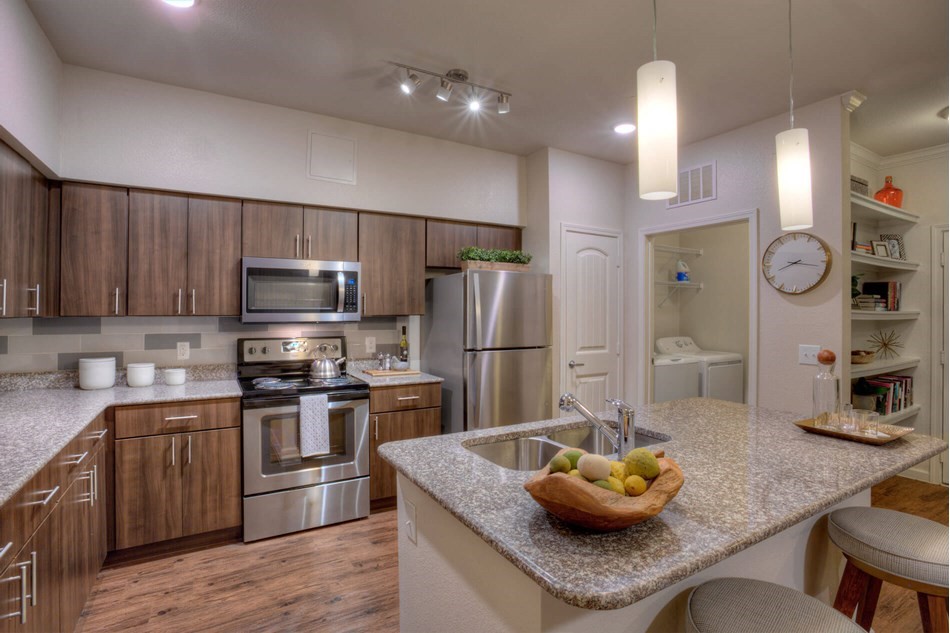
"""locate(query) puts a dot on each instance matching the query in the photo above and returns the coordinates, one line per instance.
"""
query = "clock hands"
(796, 262)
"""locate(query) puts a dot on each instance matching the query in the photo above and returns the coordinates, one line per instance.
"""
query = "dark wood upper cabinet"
(51, 286)
(445, 239)
(214, 256)
(501, 237)
(272, 230)
(392, 264)
(158, 243)
(22, 235)
(95, 253)
(330, 234)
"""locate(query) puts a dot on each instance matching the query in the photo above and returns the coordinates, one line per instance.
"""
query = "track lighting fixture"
(456, 76)
(410, 82)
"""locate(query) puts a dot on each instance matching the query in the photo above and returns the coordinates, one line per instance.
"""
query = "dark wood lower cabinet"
(389, 427)
(211, 489)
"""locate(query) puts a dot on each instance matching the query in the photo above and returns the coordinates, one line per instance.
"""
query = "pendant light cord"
(654, 27)
(791, 67)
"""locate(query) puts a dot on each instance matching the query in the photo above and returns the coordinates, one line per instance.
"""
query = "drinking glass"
(870, 424)
(859, 420)
(844, 416)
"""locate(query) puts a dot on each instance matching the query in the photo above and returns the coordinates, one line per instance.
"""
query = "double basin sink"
(533, 453)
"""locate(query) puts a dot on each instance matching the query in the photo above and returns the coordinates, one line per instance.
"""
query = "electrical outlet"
(184, 350)
(370, 344)
(808, 354)
(410, 521)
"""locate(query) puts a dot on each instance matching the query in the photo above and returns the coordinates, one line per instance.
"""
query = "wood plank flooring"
(345, 578)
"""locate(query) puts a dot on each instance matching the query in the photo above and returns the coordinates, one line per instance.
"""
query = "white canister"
(174, 376)
(140, 374)
(96, 373)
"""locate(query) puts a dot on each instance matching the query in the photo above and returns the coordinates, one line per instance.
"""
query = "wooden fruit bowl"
(581, 503)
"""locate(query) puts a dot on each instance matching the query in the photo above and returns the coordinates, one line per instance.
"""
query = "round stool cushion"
(742, 605)
(898, 543)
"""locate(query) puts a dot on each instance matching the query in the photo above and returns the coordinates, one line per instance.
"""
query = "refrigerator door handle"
(478, 311)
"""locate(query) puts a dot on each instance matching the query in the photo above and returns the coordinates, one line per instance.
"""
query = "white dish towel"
(314, 426)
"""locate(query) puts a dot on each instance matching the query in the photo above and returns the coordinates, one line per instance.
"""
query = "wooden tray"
(885, 432)
(583, 504)
(392, 372)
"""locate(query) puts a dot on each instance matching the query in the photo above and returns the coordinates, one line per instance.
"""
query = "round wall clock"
(796, 262)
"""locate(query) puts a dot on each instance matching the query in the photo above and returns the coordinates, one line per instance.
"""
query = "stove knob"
(251, 351)
(264, 350)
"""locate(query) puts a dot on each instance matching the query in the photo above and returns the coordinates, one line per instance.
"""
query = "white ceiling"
(570, 65)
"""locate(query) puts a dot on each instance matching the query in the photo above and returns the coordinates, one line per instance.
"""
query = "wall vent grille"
(696, 184)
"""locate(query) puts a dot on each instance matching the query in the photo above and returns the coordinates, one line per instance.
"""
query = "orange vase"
(890, 194)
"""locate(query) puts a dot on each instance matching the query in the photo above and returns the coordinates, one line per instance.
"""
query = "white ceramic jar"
(174, 376)
(140, 374)
(96, 373)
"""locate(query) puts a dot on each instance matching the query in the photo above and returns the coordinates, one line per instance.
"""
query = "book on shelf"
(885, 394)
(885, 293)
(860, 247)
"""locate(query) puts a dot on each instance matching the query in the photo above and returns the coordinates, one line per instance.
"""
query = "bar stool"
(900, 548)
(742, 605)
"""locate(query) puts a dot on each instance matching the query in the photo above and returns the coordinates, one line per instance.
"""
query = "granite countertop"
(389, 381)
(749, 474)
(36, 424)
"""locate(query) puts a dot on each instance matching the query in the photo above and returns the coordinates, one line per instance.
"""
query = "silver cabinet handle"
(95, 482)
(181, 417)
(572, 364)
(78, 459)
(309, 247)
(33, 578)
(401, 398)
(99, 434)
(376, 432)
(92, 486)
(189, 449)
(23, 595)
(36, 310)
(297, 245)
(179, 301)
(3, 305)
(193, 302)
(5, 549)
(117, 301)
(173, 450)
(49, 497)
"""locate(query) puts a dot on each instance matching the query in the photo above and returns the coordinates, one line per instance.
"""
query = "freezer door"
(505, 310)
(507, 387)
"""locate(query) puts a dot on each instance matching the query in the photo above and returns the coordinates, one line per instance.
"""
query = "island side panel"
(451, 579)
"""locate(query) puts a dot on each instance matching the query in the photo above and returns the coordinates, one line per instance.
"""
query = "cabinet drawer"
(176, 417)
(408, 397)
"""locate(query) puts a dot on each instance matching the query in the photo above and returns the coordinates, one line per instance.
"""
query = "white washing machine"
(720, 373)
(675, 376)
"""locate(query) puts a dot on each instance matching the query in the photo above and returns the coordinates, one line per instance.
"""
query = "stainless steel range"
(283, 491)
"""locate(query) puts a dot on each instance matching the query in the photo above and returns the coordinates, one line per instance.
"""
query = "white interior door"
(590, 315)
(940, 311)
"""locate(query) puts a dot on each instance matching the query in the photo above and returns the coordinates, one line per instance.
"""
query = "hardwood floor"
(345, 578)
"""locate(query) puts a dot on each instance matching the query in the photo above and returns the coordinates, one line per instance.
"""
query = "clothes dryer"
(720, 373)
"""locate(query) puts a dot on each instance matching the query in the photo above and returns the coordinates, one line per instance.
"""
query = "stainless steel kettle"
(326, 367)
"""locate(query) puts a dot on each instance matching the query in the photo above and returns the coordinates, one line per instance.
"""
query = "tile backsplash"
(39, 345)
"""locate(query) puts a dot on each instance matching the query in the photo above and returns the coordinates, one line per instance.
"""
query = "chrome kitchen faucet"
(617, 437)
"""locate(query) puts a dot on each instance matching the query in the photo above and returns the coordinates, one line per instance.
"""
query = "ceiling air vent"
(696, 184)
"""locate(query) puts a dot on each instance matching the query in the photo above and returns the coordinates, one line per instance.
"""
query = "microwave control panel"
(351, 302)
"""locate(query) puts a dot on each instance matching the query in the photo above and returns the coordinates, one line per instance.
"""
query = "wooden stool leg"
(933, 612)
(853, 587)
(868, 604)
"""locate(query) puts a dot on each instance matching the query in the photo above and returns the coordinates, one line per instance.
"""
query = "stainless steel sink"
(592, 441)
(523, 453)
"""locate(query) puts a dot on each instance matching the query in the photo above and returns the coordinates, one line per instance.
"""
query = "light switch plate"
(370, 344)
(410, 521)
(184, 350)
(808, 354)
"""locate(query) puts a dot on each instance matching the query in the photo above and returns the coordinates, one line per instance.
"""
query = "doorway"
(939, 319)
(714, 303)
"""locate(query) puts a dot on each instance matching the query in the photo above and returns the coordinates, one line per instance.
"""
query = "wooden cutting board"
(392, 372)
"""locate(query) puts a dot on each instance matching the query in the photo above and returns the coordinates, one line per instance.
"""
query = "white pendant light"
(793, 162)
(656, 120)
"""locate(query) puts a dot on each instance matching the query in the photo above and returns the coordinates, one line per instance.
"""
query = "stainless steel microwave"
(299, 290)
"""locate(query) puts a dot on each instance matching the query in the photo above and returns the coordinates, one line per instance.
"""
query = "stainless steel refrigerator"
(488, 334)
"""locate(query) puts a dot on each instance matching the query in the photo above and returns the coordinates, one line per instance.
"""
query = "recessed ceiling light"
(625, 128)
(180, 4)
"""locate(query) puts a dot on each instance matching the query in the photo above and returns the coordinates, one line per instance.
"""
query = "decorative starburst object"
(885, 344)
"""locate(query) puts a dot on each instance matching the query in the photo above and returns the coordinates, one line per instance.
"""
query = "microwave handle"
(340, 291)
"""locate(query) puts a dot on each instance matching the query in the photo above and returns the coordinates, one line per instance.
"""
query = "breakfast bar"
(476, 552)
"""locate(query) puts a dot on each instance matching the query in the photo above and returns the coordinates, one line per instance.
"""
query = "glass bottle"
(890, 194)
(404, 347)
(825, 391)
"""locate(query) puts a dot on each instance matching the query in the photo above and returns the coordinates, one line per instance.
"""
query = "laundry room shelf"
(674, 286)
(678, 250)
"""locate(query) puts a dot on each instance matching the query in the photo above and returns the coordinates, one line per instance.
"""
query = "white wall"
(117, 129)
(746, 180)
(30, 77)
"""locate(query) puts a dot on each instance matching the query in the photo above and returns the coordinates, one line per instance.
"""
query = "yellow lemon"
(576, 473)
(635, 485)
(616, 485)
(618, 470)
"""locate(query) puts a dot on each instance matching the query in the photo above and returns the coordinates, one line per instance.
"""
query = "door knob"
(572, 364)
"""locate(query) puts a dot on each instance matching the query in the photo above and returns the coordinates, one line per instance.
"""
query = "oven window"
(280, 442)
(288, 290)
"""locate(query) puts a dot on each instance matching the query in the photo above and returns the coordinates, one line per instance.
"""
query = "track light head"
(445, 90)
(410, 82)
(503, 106)
(474, 105)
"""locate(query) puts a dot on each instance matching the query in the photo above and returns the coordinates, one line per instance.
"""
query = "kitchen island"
(477, 553)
